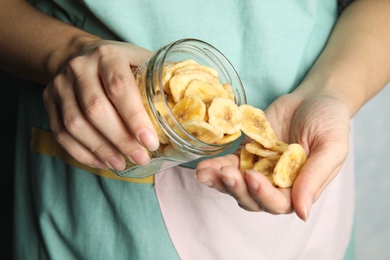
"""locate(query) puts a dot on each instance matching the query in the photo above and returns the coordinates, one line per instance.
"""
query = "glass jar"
(177, 146)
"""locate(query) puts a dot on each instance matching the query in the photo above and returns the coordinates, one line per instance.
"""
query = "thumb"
(320, 169)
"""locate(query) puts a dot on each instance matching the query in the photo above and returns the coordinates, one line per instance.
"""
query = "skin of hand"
(321, 124)
(92, 101)
(95, 109)
(352, 68)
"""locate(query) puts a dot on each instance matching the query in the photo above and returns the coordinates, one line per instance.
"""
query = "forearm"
(355, 63)
(34, 45)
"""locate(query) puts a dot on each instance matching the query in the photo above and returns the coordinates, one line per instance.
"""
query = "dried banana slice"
(166, 76)
(203, 131)
(160, 107)
(279, 146)
(258, 149)
(228, 138)
(206, 90)
(266, 166)
(178, 83)
(206, 116)
(229, 90)
(289, 165)
(247, 160)
(256, 126)
(189, 108)
(192, 67)
(180, 64)
(225, 115)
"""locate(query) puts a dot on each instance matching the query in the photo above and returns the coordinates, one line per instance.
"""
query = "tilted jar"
(179, 146)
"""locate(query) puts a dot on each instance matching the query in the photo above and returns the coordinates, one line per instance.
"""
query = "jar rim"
(206, 54)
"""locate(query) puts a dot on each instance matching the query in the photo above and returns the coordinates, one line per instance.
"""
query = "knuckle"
(100, 149)
(73, 123)
(124, 142)
(74, 64)
(136, 113)
(53, 89)
(94, 107)
(105, 49)
(56, 82)
(117, 84)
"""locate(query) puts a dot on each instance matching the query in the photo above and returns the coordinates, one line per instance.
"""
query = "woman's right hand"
(95, 109)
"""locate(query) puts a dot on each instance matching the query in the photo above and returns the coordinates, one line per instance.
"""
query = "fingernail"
(204, 182)
(253, 184)
(116, 164)
(149, 139)
(306, 211)
(140, 156)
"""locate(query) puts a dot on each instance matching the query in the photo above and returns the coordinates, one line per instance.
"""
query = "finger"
(104, 117)
(230, 181)
(136, 55)
(76, 124)
(313, 178)
(211, 177)
(124, 93)
(219, 162)
(208, 172)
(236, 185)
(271, 199)
(74, 148)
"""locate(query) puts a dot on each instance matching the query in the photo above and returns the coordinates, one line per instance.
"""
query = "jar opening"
(204, 54)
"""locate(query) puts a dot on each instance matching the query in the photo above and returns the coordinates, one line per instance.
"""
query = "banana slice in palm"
(247, 160)
(256, 126)
(279, 146)
(225, 115)
(266, 166)
(258, 149)
(289, 165)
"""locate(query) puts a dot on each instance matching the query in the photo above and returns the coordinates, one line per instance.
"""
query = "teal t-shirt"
(66, 212)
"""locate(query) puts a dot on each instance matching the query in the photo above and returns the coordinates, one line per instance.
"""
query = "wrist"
(351, 93)
(57, 59)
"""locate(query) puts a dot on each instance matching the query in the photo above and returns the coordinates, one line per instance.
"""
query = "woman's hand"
(95, 109)
(320, 123)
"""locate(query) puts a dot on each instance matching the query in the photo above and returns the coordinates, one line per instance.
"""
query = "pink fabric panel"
(206, 224)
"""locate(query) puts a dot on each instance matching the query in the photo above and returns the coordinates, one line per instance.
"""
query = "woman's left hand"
(320, 123)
